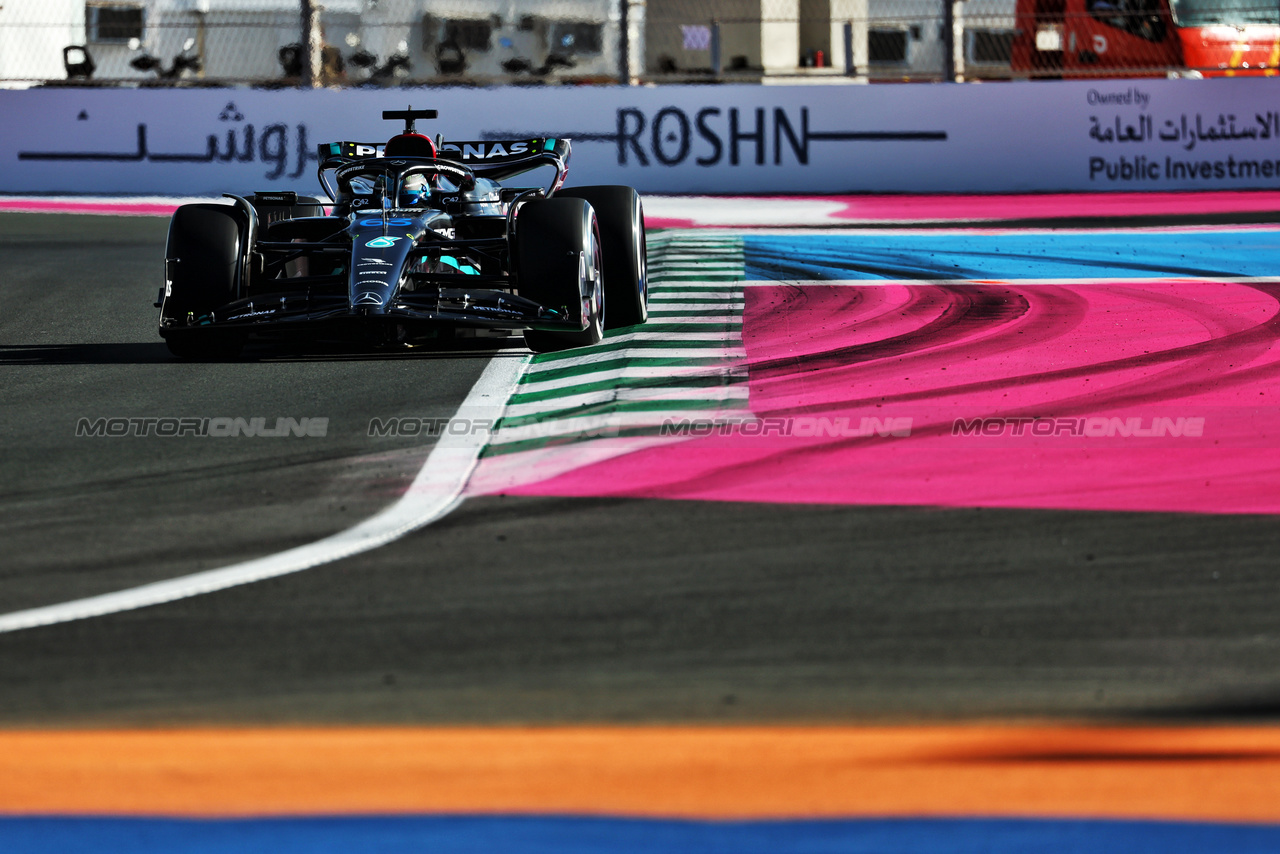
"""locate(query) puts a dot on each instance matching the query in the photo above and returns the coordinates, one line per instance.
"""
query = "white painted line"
(609, 423)
(722, 254)
(682, 317)
(674, 285)
(709, 337)
(728, 352)
(696, 268)
(721, 243)
(694, 265)
(660, 282)
(733, 302)
(676, 278)
(435, 492)
(531, 384)
(682, 277)
(702, 237)
(664, 305)
(692, 256)
(506, 472)
(658, 275)
(669, 295)
(734, 211)
(556, 408)
(685, 288)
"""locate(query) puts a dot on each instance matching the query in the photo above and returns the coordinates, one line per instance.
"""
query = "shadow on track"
(300, 351)
(84, 354)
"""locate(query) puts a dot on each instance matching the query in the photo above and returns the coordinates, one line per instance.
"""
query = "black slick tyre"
(558, 262)
(203, 264)
(621, 218)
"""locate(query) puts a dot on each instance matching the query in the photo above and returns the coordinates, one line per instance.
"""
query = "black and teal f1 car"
(422, 239)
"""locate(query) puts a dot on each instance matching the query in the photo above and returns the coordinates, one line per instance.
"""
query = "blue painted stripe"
(559, 835)
(1051, 255)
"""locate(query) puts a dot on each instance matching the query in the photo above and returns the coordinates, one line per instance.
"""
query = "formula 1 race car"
(421, 241)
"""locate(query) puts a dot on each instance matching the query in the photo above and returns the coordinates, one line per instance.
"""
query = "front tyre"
(558, 264)
(203, 267)
(622, 241)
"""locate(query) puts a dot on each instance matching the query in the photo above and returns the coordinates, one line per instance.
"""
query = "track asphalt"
(543, 609)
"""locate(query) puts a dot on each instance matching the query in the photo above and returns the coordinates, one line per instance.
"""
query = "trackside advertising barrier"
(1042, 136)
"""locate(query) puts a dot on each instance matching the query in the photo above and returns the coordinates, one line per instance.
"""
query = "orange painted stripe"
(1204, 773)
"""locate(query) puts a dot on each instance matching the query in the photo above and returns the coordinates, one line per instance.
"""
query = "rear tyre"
(203, 255)
(621, 218)
(558, 262)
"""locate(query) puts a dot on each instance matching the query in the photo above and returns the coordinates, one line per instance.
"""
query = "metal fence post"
(202, 26)
(955, 40)
(624, 43)
(850, 69)
(311, 46)
(717, 61)
(637, 16)
(631, 43)
(948, 40)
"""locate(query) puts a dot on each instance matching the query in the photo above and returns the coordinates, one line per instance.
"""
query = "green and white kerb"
(687, 362)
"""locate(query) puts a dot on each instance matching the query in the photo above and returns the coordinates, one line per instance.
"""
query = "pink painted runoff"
(84, 206)
(1097, 366)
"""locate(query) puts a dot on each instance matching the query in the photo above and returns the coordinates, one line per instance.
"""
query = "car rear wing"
(497, 159)
(479, 154)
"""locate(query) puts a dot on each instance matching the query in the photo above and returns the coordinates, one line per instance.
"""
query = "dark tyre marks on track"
(951, 318)
(957, 323)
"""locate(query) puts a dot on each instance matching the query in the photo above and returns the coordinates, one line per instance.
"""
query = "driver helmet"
(416, 188)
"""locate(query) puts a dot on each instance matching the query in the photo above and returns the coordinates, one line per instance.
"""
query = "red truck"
(1096, 38)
